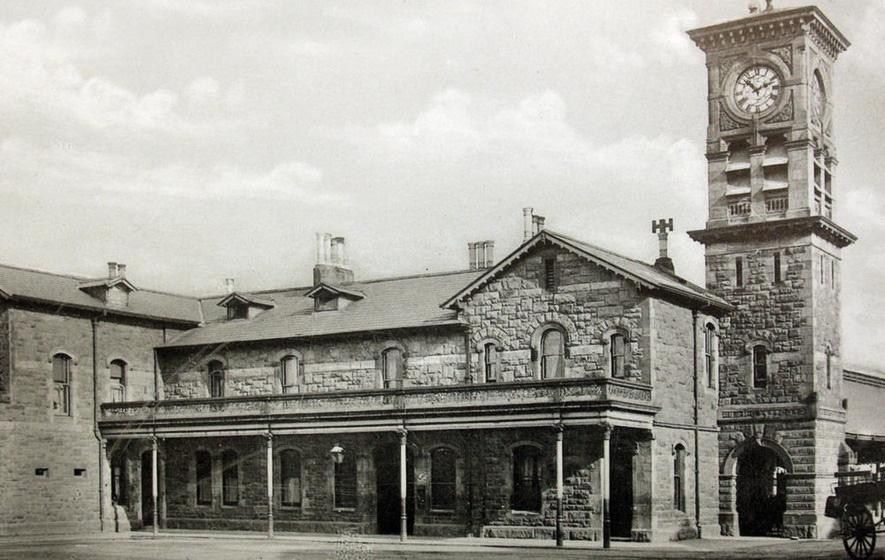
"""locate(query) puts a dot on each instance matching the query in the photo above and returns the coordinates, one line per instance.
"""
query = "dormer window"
(113, 290)
(244, 306)
(327, 297)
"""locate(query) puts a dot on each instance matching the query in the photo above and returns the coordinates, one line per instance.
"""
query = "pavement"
(191, 545)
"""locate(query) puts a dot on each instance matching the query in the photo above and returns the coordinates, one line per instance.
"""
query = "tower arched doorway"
(761, 491)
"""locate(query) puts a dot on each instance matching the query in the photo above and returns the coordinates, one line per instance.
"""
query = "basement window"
(80, 472)
(42, 472)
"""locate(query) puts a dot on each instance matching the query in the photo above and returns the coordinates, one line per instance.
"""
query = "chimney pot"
(527, 223)
(662, 227)
(230, 285)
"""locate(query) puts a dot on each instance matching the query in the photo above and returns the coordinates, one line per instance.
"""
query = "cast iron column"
(269, 437)
(606, 490)
(559, 485)
(404, 517)
(156, 528)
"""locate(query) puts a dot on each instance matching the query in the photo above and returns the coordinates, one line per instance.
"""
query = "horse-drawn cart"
(858, 500)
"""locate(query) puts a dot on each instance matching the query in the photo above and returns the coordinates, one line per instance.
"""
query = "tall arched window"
(829, 368)
(490, 362)
(203, 464)
(679, 477)
(216, 379)
(526, 478)
(230, 478)
(289, 375)
(61, 377)
(442, 478)
(392, 368)
(709, 355)
(118, 381)
(617, 351)
(552, 354)
(760, 366)
(290, 478)
(345, 482)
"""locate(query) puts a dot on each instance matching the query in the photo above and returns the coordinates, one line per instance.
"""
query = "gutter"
(96, 411)
(697, 459)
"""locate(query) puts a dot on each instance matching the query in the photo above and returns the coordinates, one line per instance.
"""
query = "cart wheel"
(858, 532)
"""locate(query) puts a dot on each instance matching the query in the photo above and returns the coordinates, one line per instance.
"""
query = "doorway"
(147, 501)
(621, 491)
(761, 492)
(387, 489)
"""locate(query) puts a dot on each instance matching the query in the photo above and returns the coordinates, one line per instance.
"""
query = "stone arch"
(729, 466)
(553, 318)
(536, 340)
(488, 333)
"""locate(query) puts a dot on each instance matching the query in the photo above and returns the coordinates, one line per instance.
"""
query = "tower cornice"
(819, 225)
(772, 25)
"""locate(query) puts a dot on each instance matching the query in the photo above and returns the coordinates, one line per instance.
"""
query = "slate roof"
(395, 303)
(65, 290)
(633, 270)
(865, 392)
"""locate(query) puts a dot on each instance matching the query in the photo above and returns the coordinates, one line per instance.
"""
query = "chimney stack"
(527, 223)
(331, 266)
(229, 285)
(482, 254)
(121, 270)
(112, 270)
(662, 227)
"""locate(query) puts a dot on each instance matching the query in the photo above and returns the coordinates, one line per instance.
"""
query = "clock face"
(757, 89)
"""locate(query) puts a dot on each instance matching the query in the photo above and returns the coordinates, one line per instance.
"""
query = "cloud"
(42, 79)
(74, 169)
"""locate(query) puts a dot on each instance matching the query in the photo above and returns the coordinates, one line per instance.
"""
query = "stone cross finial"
(663, 227)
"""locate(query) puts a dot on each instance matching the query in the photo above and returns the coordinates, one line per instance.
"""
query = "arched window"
(552, 354)
(118, 481)
(61, 377)
(526, 478)
(230, 478)
(345, 482)
(679, 477)
(290, 478)
(617, 351)
(216, 379)
(760, 366)
(203, 464)
(709, 354)
(442, 478)
(118, 381)
(829, 368)
(289, 375)
(490, 362)
(392, 368)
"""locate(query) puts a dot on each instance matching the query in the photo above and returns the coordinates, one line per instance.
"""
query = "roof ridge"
(356, 283)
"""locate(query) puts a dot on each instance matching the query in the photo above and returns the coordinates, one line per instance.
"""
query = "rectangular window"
(760, 366)
(442, 479)
(679, 478)
(392, 368)
(61, 377)
(822, 271)
(709, 341)
(739, 271)
(490, 362)
(777, 268)
(230, 479)
(345, 482)
(832, 273)
(289, 375)
(550, 273)
(118, 481)
(617, 355)
(290, 477)
(204, 478)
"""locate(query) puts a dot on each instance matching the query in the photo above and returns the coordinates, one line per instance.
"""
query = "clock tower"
(773, 250)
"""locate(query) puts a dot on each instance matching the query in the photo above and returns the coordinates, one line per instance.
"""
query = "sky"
(200, 140)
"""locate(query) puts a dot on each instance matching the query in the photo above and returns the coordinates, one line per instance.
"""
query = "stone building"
(564, 390)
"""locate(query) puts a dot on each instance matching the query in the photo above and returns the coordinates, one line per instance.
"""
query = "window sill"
(344, 509)
(521, 512)
(229, 506)
(293, 507)
(204, 506)
(450, 511)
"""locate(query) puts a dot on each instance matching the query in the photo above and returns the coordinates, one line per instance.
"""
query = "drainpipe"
(697, 458)
(96, 412)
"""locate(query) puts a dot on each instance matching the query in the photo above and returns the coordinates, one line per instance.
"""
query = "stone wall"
(5, 370)
(33, 436)
(329, 364)
(589, 303)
